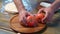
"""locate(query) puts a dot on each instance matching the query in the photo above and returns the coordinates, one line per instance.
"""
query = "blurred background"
(6, 14)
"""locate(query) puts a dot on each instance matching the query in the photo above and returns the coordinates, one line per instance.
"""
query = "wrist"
(55, 5)
(22, 11)
(49, 10)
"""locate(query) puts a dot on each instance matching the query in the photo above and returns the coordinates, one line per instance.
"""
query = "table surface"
(53, 26)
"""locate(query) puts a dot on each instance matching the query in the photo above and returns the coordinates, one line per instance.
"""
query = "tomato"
(40, 16)
(30, 21)
(29, 17)
(30, 24)
(33, 20)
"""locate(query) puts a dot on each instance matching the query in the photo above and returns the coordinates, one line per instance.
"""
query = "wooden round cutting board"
(16, 25)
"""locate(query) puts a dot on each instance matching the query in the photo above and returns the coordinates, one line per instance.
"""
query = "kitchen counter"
(53, 26)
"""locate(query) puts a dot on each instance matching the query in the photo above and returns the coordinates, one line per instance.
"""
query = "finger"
(34, 14)
(28, 14)
(40, 10)
(46, 15)
(24, 19)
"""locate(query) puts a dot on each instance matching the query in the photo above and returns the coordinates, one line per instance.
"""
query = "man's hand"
(49, 14)
(21, 9)
(23, 15)
(50, 10)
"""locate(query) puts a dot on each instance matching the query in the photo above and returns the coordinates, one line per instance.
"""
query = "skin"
(21, 9)
(49, 11)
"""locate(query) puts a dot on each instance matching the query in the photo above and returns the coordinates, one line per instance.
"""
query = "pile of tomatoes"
(33, 20)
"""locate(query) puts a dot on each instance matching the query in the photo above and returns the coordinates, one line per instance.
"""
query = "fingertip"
(40, 10)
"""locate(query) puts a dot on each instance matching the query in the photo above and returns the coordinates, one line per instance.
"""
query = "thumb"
(46, 15)
(40, 10)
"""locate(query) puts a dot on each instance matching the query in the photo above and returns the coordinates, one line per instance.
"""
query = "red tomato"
(30, 24)
(29, 17)
(40, 16)
(30, 21)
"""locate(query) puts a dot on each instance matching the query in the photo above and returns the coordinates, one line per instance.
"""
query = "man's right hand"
(49, 14)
